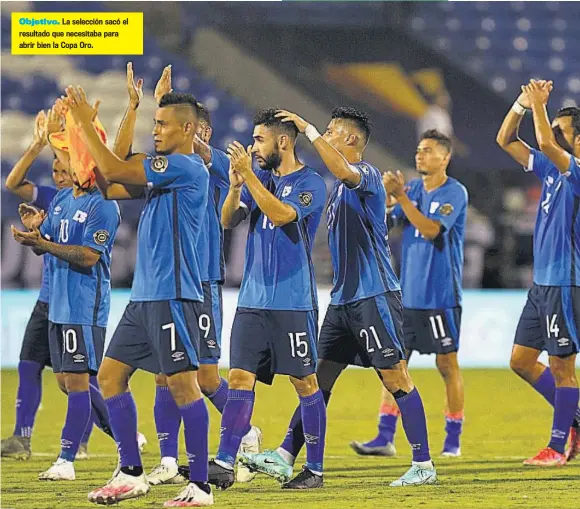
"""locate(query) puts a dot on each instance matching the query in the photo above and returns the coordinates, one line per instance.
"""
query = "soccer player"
(78, 230)
(159, 328)
(550, 317)
(35, 352)
(363, 324)
(433, 212)
(212, 264)
(275, 326)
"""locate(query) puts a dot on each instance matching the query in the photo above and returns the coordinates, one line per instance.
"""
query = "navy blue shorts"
(368, 332)
(549, 320)
(158, 336)
(210, 323)
(432, 330)
(270, 342)
(35, 345)
(76, 348)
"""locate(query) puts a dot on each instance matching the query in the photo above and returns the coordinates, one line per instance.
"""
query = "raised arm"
(333, 159)
(16, 180)
(233, 212)
(111, 167)
(544, 134)
(124, 139)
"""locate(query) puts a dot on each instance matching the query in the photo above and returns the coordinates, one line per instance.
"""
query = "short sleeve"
(538, 163)
(219, 168)
(454, 205)
(573, 174)
(42, 196)
(307, 196)
(102, 224)
(172, 171)
(370, 179)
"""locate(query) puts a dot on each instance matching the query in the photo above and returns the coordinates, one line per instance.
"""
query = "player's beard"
(560, 140)
(272, 161)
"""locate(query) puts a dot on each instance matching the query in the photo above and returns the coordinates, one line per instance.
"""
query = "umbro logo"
(178, 356)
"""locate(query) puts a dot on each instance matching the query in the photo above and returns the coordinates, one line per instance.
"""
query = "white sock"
(286, 456)
(168, 461)
(424, 464)
(224, 464)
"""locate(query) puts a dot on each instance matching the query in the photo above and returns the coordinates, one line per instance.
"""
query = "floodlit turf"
(506, 422)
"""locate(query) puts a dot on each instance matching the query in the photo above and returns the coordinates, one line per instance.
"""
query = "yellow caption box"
(77, 33)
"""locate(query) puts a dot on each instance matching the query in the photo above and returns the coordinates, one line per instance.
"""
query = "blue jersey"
(211, 238)
(42, 197)
(557, 232)
(357, 236)
(278, 272)
(81, 296)
(432, 270)
(168, 262)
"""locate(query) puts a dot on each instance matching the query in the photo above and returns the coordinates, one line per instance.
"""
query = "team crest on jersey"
(305, 199)
(57, 210)
(446, 209)
(159, 164)
(364, 169)
(286, 191)
(101, 236)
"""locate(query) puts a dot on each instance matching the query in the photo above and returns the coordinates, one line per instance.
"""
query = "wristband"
(311, 133)
(519, 109)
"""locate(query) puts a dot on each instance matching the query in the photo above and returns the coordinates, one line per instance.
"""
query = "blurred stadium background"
(412, 65)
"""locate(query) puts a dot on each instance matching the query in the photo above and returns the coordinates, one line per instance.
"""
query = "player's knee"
(327, 372)
(241, 380)
(447, 366)
(161, 380)
(521, 366)
(111, 382)
(184, 387)
(396, 379)
(76, 382)
(564, 371)
(306, 386)
(208, 378)
(60, 380)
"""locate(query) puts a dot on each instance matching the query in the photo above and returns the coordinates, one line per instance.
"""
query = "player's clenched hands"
(80, 109)
(287, 116)
(31, 217)
(537, 94)
(31, 238)
(163, 85)
(394, 184)
(240, 159)
(135, 89)
(523, 98)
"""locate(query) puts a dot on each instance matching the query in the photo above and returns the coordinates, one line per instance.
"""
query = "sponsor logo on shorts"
(388, 352)
(211, 343)
(446, 342)
(79, 358)
(178, 356)
(563, 342)
(306, 361)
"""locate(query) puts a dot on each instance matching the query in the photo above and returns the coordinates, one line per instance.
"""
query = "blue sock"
(123, 417)
(77, 418)
(196, 430)
(27, 397)
(313, 412)
(294, 439)
(235, 423)
(220, 396)
(564, 409)
(546, 386)
(94, 418)
(99, 412)
(167, 421)
(453, 428)
(415, 424)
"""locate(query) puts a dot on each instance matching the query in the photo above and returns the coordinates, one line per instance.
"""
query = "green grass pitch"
(505, 423)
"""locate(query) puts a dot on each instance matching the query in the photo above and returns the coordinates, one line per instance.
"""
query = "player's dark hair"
(360, 118)
(574, 112)
(268, 119)
(175, 99)
(203, 114)
(439, 137)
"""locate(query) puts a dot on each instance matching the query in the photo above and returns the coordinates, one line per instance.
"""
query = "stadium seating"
(504, 46)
